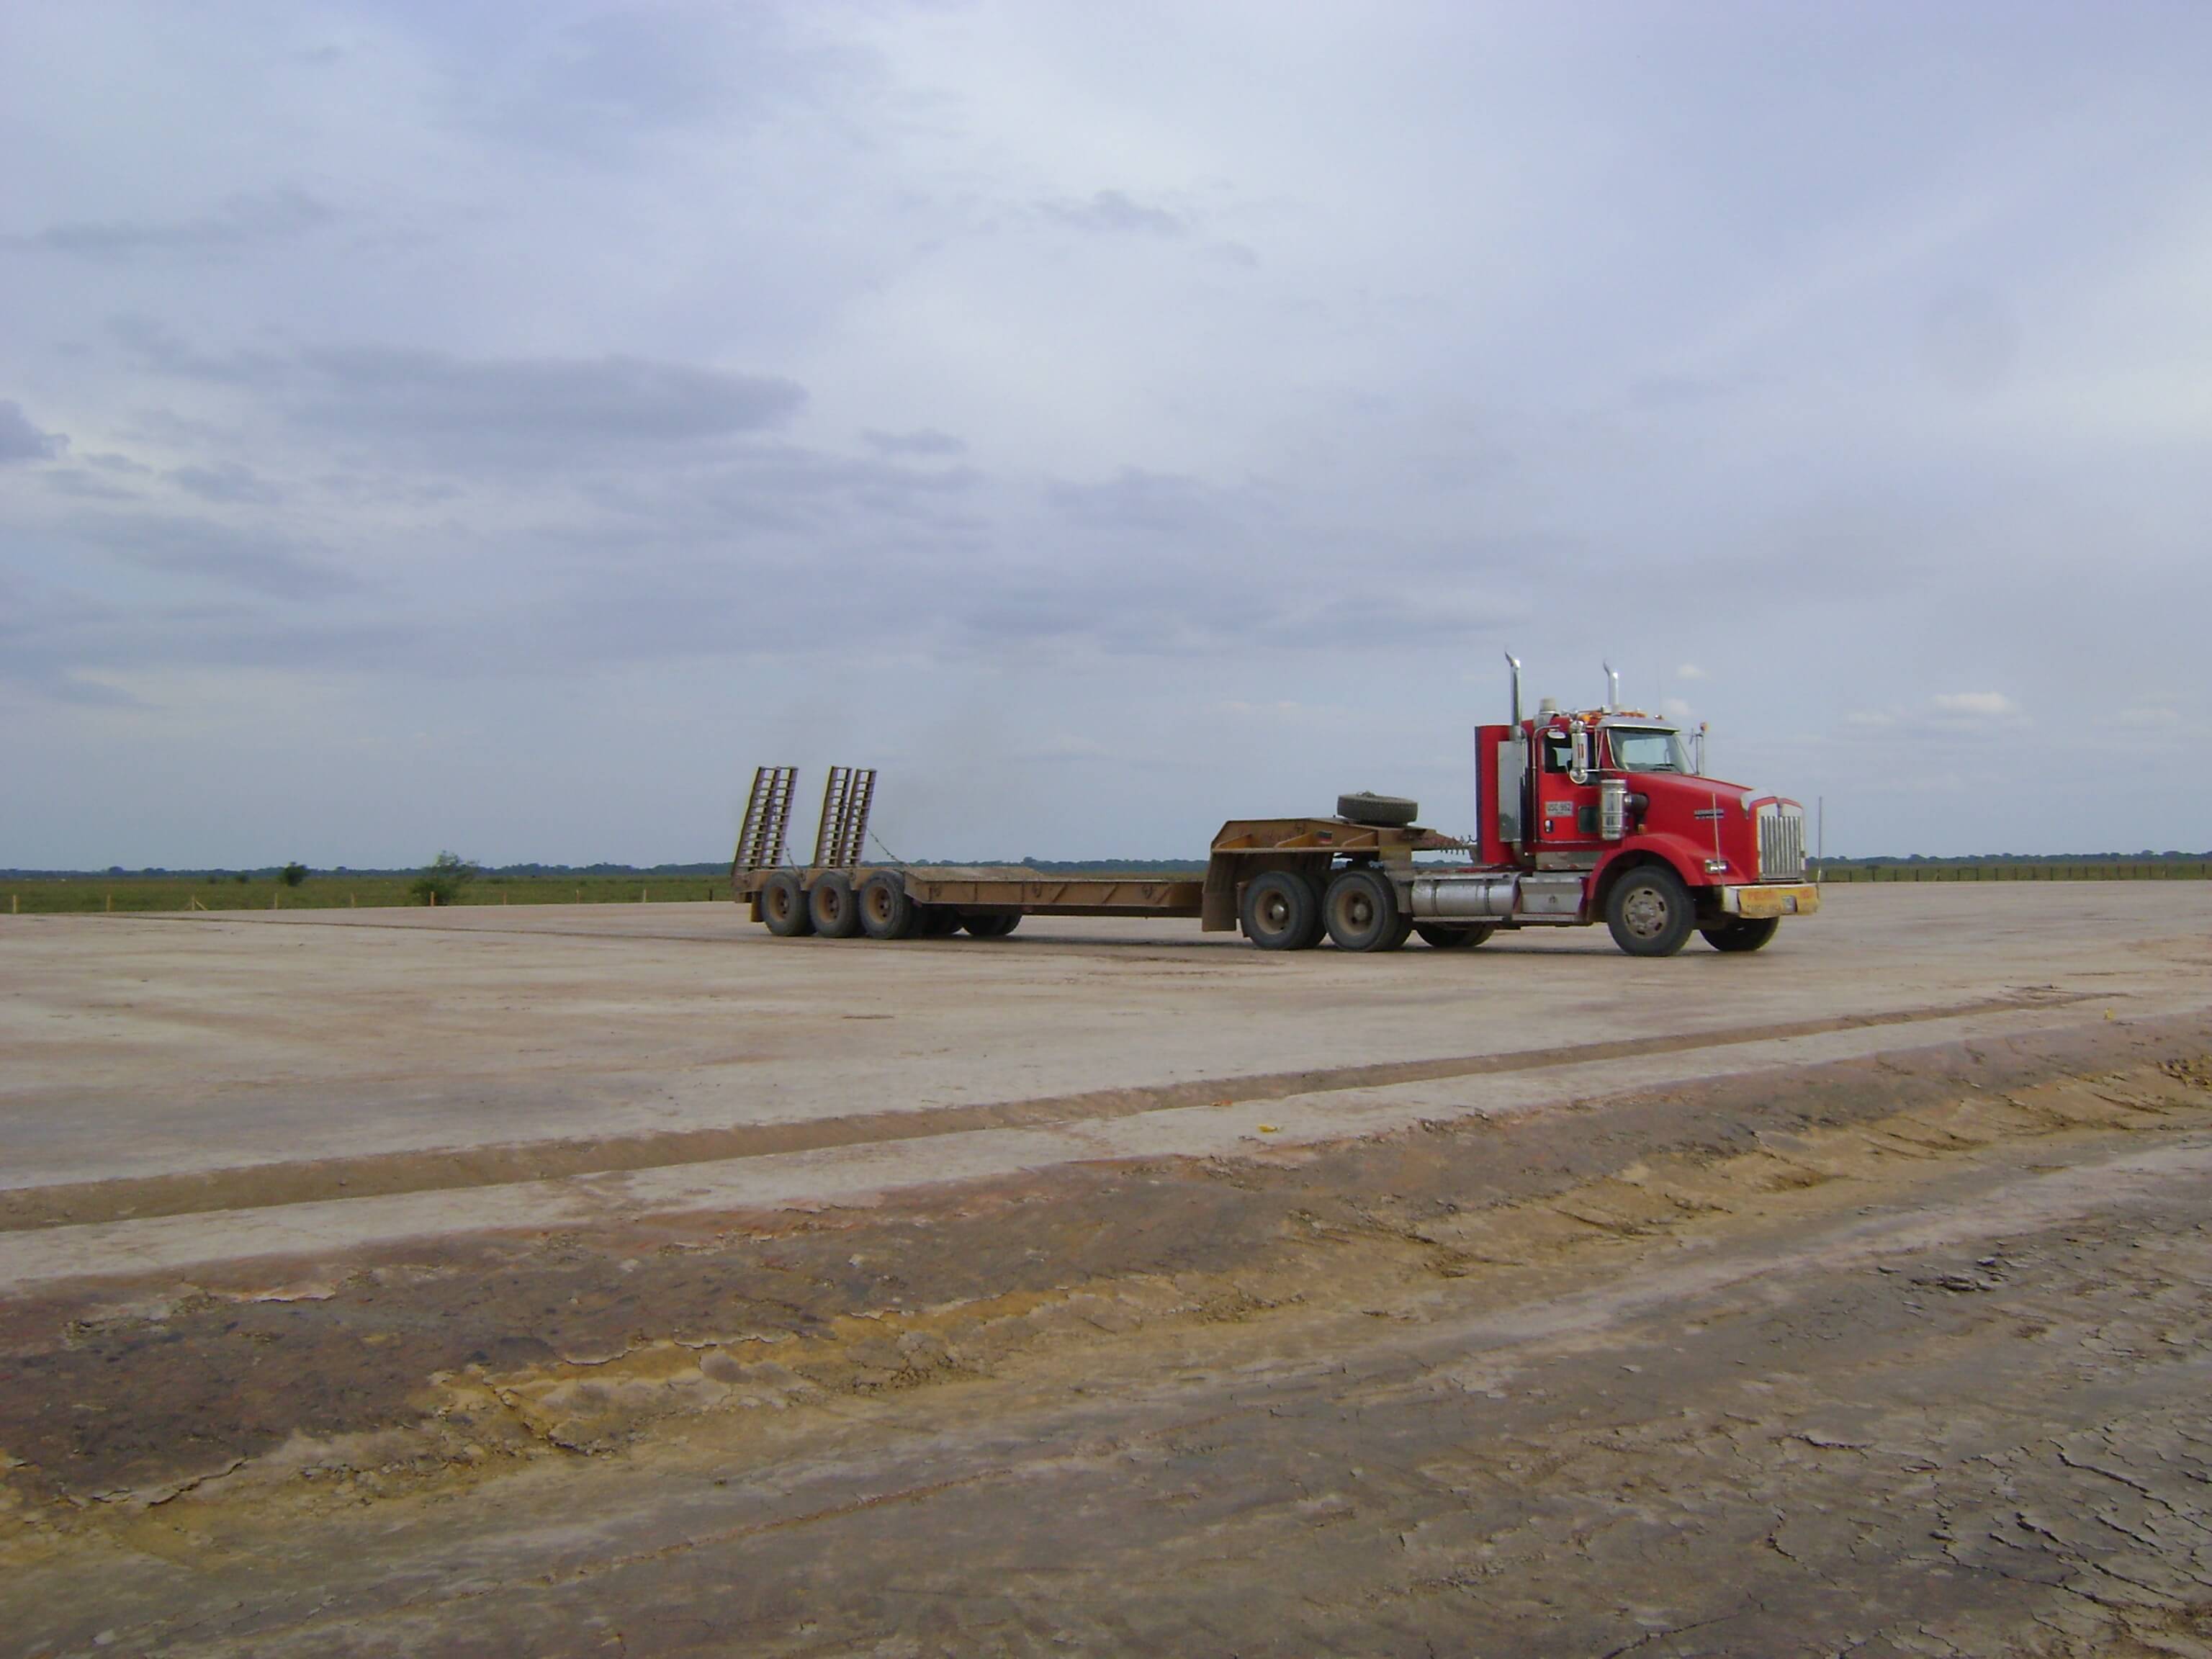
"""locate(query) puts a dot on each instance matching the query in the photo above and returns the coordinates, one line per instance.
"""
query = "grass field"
(77, 895)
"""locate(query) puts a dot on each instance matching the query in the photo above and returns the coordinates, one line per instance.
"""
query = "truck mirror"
(1579, 765)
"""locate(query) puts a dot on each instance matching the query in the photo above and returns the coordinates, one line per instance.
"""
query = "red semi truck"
(1582, 816)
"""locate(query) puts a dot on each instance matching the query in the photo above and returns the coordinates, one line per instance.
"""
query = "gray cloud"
(1137, 500)
(1113, 212)
(923, 442)
(22, 441)
(593, 88)
(240, 222)
(252, 561)
(155, 346)
(227, 482)
(551, 408)
(532, 412)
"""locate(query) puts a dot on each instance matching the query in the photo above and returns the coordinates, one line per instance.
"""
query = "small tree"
(444, 879)
(293, 873)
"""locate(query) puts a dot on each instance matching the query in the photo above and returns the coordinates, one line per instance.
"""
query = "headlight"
(1715, 866)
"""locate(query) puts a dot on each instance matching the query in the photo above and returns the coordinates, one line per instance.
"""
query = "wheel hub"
(1645, 914)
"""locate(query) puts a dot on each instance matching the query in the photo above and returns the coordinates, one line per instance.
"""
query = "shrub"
(293, 873)
(444, 879)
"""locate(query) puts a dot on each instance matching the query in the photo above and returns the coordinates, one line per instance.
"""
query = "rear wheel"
(1361, 911)
(1742, 932)
(783, 906)
(1438, 937)
(1281, 911)
(833, 909)
(886, 911)
(936, 921)
(1649, 912)
(994, 926)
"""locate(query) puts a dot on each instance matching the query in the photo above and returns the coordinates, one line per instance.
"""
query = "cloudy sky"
(501, 428)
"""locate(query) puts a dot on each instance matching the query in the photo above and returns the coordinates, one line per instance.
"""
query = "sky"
(501, 427)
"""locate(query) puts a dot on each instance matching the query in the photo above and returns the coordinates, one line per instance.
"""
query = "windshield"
(1648, 751)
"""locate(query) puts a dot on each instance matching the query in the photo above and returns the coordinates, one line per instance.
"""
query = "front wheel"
(1281, 911)
(1742, 932)
(1649, 912)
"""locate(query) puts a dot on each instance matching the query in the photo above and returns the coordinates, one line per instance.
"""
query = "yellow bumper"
(1771, 898)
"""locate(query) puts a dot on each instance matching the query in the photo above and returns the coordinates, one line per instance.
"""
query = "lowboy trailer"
(1585, 817)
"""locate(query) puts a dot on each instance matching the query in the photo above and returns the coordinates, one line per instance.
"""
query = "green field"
(77, 895)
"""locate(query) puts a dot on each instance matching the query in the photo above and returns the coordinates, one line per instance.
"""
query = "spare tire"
(1380, 811)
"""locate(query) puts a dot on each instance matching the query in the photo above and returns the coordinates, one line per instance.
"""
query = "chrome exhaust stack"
(1514, 663)
(1612, 690)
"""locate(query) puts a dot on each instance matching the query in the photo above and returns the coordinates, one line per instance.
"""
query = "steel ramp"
(846, 801)
(767, 817)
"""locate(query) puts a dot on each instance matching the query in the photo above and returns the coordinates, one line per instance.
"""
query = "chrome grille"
(1781, 844)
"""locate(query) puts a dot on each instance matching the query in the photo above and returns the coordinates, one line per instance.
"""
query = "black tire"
(886, 911)
(832, 907)
(1281, 911)
(993, 926)
(1360, 910)
(936, 922)
(1743, 932)
(1438, 937)
(1378, 812)
(783, 906)
(1649, 912)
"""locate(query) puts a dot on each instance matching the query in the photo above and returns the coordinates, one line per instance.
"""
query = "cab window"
(1558, 751)
(1648, 751)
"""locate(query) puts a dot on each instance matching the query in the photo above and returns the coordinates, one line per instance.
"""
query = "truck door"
(1565, 812)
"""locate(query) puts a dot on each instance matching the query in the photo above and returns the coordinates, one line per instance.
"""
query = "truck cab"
(1612, 796)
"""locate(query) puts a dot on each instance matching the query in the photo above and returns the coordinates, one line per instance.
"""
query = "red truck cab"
(1612, 796)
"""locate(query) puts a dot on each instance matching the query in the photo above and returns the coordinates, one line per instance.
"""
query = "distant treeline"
(2057, 866)
(272, 871)
(1842, 867)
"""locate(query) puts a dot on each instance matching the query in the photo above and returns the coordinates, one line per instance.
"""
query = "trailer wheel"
(936, 921)
(1281, 911)
(783, 905)
(832, 907)
(1742, 932)
(1439, 938)
(1361, 911)
(993, 926)
(886, 911)
(1649, 912)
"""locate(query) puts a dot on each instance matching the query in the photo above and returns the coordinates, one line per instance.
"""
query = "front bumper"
(1770, 898)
